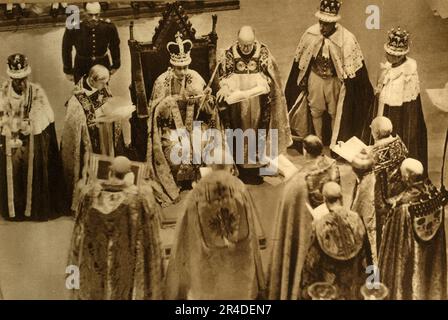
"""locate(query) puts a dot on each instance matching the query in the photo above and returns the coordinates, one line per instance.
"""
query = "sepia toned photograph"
(246, 151)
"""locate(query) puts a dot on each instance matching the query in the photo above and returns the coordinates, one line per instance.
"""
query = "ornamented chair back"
(150, 59)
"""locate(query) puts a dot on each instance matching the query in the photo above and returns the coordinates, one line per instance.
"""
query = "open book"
(349, 149)
(115, 109)
(280, 166)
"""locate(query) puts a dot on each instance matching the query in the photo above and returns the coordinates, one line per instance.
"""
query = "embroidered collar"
(254, 55)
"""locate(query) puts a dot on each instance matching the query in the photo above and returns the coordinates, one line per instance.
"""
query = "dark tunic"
(91, 41)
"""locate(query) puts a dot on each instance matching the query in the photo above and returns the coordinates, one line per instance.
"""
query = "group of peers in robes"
(395, 222)
(388, 242)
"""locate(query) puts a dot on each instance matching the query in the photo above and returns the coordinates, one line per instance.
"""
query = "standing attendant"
(328, 78)
(31, 179)
(92, 39)
(398, 95)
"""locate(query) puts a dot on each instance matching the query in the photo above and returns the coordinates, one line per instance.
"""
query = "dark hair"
(313, 145)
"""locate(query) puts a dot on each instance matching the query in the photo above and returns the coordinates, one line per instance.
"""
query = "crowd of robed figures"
(395, 221)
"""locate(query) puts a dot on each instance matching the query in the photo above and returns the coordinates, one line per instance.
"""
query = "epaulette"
(107, 20)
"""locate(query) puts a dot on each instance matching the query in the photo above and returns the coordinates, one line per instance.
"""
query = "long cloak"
(339, 254)
(356, 94)
(413, 266)
(216, 253)
(273, 109)
(364, 205)
(162, 120)
(388, 154)
(116, 244)
(399, 100)
(292, 236)
(43, 197)
(81, 136)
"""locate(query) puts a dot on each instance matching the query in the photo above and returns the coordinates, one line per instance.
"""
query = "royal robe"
(412, 255)
(116, 244)
(388, 154)
(339, 254)
(319, 171)
(291, 240)
(168, 117)
(364, 204)
(31, 178)
(81, 135)
(398, 99)
(355, 96)
(216, 254)
(268, 111)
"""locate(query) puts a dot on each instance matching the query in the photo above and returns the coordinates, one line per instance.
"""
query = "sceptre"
(209, 84)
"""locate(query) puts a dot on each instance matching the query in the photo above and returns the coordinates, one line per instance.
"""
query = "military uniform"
(91, 40)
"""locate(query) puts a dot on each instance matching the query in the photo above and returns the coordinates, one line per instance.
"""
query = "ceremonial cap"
(18, 67)
(329, 11)
(398, 42)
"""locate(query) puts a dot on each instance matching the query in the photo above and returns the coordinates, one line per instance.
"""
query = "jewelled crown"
(180, 51)
(329, 11)
(18, 67)
(398, 42)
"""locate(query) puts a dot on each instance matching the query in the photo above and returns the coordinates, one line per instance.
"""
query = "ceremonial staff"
(207, 88)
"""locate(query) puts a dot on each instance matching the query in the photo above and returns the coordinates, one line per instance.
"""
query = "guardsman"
(92, 39)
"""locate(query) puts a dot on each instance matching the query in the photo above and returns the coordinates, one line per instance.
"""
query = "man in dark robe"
(412, 255)
(388, 152)
(328, 77)
(339, 252)
(115, 242)
(398, 95)
(251, 87)
(216, 252)
(31, 180)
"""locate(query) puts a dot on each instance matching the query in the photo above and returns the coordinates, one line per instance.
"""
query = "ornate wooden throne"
(150, 59)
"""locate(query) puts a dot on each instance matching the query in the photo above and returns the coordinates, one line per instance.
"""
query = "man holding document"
(250, 85)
